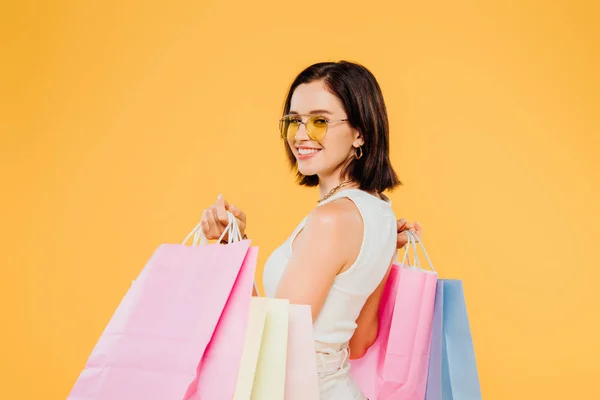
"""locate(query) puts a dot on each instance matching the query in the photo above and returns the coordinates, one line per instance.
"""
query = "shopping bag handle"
(412, 241)
(232, 229)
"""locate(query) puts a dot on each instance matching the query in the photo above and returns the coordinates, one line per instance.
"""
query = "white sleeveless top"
(336, 322)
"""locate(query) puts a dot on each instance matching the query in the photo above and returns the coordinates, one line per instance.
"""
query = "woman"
(337, 260)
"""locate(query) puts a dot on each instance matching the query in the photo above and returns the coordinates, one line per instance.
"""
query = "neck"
(326, 184)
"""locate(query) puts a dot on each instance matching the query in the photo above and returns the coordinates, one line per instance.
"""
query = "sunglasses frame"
(312, 117)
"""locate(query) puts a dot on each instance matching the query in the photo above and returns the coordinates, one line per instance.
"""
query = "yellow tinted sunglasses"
(316, 126)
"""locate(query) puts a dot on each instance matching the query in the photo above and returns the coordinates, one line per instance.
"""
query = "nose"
(301, 134)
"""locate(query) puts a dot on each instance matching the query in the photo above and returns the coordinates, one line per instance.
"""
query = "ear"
(358, 139)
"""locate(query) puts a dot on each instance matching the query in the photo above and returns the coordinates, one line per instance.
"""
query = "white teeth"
(308, 151)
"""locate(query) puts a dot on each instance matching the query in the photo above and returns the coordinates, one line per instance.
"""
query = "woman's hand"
(404, 226)
(215, 220)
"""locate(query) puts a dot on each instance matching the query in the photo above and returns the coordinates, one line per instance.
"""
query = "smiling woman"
(335, 132)
(346, 99)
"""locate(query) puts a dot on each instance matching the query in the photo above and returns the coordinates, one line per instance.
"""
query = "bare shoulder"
(328, 243)
(335, 230)
(341, 217)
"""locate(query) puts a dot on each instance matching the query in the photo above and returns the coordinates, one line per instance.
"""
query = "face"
(326, 157)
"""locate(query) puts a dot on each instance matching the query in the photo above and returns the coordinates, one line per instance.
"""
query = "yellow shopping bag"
(279, 359)
(254, 334)
(261, 374)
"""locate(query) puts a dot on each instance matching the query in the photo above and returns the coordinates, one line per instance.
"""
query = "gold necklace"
(335, 189)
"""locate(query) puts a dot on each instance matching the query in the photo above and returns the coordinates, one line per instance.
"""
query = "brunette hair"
(361, 96)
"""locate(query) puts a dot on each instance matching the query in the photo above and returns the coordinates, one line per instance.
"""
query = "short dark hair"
(361, 96)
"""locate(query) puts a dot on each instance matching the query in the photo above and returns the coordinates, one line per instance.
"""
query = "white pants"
(335, 382)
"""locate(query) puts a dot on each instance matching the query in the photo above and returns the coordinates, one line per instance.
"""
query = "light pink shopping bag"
(301, 381)
(158, 335)
(406, 360)
(365, 370)
(218, 370)
(395, 367)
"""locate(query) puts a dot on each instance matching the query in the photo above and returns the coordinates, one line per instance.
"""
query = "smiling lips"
(305, 152)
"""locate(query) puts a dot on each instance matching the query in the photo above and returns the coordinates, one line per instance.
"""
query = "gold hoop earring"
(358, 152)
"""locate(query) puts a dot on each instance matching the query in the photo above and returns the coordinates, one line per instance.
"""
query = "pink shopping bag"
(395, 367)
(365, 370)
(218, 370)
(301, 381)
(157, 337)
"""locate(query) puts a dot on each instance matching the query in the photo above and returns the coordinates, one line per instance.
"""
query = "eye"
(294, 120)
(320, 121)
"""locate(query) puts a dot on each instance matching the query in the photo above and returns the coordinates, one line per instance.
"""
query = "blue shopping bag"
(452, 366)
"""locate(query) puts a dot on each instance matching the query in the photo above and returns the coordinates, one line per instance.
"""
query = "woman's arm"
(367, 322)
(328, 244)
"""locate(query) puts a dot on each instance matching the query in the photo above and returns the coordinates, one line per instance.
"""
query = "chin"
(313, 170)
(307, 171)
(310, 168)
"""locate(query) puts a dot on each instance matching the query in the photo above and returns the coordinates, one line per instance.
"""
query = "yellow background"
(121, 120)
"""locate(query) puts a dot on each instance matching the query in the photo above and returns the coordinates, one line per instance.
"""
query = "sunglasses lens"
(316, 127)
(288, 126)
(283, 127)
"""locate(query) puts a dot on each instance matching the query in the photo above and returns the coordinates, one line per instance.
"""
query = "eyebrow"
(314, 112)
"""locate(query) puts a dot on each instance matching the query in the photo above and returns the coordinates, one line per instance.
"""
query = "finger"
(220, 225)
(401, 223)
(204, 225)
(220, 210)
(239, 214)
(402, 240)
(208, 224)
(234, 210)
(418, 229)
(240, 217)
(214, 226)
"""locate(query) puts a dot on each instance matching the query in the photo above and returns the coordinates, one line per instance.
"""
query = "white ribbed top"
(336, 322)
